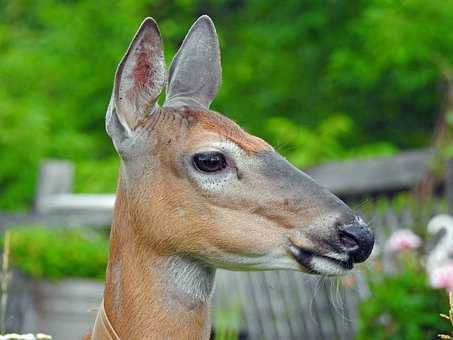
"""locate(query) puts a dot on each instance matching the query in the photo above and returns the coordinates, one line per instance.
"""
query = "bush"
(402, 305)
(325, 142)
(58, 253)
(97, 176)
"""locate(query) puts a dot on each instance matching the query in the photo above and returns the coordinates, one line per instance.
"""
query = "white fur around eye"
(214, 182)
(217, 181)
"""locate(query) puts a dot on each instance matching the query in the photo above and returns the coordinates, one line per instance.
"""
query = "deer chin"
(276, 259)
(330, 264)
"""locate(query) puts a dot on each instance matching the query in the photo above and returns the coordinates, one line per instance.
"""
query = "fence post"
(55, 177)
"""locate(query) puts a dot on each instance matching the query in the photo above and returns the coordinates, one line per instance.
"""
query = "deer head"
(200, 187)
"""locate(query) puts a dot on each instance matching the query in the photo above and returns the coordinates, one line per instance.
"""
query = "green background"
(320, 80)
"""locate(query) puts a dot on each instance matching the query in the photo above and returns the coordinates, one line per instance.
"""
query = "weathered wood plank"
(74, 203)
(54, 220)
(376, 175)
(55, 177)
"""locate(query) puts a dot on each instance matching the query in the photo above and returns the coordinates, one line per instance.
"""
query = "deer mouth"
(315, 263)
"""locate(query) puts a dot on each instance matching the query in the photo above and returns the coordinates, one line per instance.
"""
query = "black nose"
(357, 240)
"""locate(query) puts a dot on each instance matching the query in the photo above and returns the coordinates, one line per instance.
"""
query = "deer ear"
(139, 80)
(195, 73)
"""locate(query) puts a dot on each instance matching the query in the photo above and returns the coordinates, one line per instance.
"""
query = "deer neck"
(153, 296)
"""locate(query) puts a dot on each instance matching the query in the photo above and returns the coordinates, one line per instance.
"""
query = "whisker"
(342, 310)
(362, 204)
(337, 300)
(312, 300)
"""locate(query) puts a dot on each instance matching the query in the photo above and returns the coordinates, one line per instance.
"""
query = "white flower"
(404, 239)
(442, 276)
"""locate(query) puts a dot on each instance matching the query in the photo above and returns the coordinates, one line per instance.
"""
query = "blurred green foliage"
(402, 306)
(321, 80)
(59, 253)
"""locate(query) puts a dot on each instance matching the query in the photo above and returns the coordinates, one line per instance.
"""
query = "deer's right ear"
(139, 80)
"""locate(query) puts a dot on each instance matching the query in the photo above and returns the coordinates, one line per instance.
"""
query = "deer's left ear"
(139, 80)
(195, 73)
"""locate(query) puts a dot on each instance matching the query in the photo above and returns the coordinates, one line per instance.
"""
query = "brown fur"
(215, 122)
(141, 311)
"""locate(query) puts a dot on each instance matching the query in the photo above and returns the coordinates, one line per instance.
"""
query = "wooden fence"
(259, 305)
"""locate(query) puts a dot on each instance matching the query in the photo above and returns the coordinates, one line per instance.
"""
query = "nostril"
(348, 242)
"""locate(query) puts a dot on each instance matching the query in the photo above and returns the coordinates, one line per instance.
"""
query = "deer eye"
(209, 161)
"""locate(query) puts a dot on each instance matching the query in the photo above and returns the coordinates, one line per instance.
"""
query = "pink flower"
(403, 239)
(442, 276)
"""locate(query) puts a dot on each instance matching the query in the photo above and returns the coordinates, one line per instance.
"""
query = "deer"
(196, 192)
